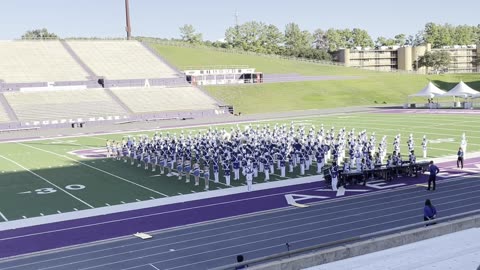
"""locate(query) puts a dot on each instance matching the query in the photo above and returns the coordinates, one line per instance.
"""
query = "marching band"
(261, 151)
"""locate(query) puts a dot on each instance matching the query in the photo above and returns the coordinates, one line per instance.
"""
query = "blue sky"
(106, 18)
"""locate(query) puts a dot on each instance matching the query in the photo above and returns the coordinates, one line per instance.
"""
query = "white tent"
(462, 90)
(429, 91)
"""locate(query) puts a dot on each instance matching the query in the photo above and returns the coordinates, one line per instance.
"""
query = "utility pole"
(236, 18)
(237, 29)
(127, 17)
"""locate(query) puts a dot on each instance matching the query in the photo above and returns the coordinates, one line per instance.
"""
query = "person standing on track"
(460, 158)
(239, 260)
(433, 169)
(429, 212)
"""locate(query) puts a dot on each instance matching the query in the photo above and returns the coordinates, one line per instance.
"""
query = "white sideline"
(15, 224)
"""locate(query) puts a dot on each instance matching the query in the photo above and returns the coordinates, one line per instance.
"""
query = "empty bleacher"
(37, 61)
(118, 60)
(63, 104)
(3, 115)
(155, 99)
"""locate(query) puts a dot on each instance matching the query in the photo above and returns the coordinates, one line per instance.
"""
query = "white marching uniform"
(463, 144)
(249, 177)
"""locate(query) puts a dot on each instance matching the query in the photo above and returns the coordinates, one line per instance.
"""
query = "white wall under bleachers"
(116, 60)
(157, 99)
(37, 61)
(53, 105)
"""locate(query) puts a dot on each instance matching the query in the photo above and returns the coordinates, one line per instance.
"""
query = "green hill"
(370, 89)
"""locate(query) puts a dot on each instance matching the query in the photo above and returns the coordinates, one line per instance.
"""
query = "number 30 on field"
(53, 190)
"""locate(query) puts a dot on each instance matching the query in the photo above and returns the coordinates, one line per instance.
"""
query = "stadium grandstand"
(64, 82)
(61, 104)
(38, 62)
(150, 100)
(3, 114)
(118, 60)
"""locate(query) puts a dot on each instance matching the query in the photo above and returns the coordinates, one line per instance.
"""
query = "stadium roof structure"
(462, 90)
(429, 91)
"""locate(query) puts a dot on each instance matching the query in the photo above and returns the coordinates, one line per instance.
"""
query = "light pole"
(127, 18)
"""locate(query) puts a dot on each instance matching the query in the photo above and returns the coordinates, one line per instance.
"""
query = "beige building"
(463, 58)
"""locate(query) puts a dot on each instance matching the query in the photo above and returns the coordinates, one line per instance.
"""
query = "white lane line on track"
(95, 168)
(154, 267)
(279, 217)
(283, 236)
(260, 249)
(46, 180)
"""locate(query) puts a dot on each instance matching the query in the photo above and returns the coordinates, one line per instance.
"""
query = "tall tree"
(400, 39)
(383, 41)
(295, 38)
(338, 39)
(432, 34)
(415, 40)
(39, 34)
(255, 36)
(273, 39)
(437, 60)
(189, 34)
(464, 35)
(448, 35)
(361, 38)
(320, 39)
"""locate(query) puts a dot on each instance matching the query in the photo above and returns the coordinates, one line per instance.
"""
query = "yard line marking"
(44, 179)
(138, 200)
(58, 211)
(193, 191)
(152, 198)
(75, 209)
(280, 176)
(107, 204)
(122, 202)
(220, 183)
(24, 217)
(3, 216)
(179, 193)
(41, 214)
(95, 168)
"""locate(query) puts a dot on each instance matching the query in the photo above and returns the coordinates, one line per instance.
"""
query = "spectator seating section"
(117, 60)
(3, 115)
(150, 100)
(63, 104)
(37, 61)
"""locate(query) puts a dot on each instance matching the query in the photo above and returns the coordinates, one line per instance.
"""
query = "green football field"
(45, 177)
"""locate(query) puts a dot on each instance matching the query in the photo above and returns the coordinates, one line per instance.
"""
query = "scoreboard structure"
(223, 75)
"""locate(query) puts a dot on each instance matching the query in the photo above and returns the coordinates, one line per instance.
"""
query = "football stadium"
(144, 153)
